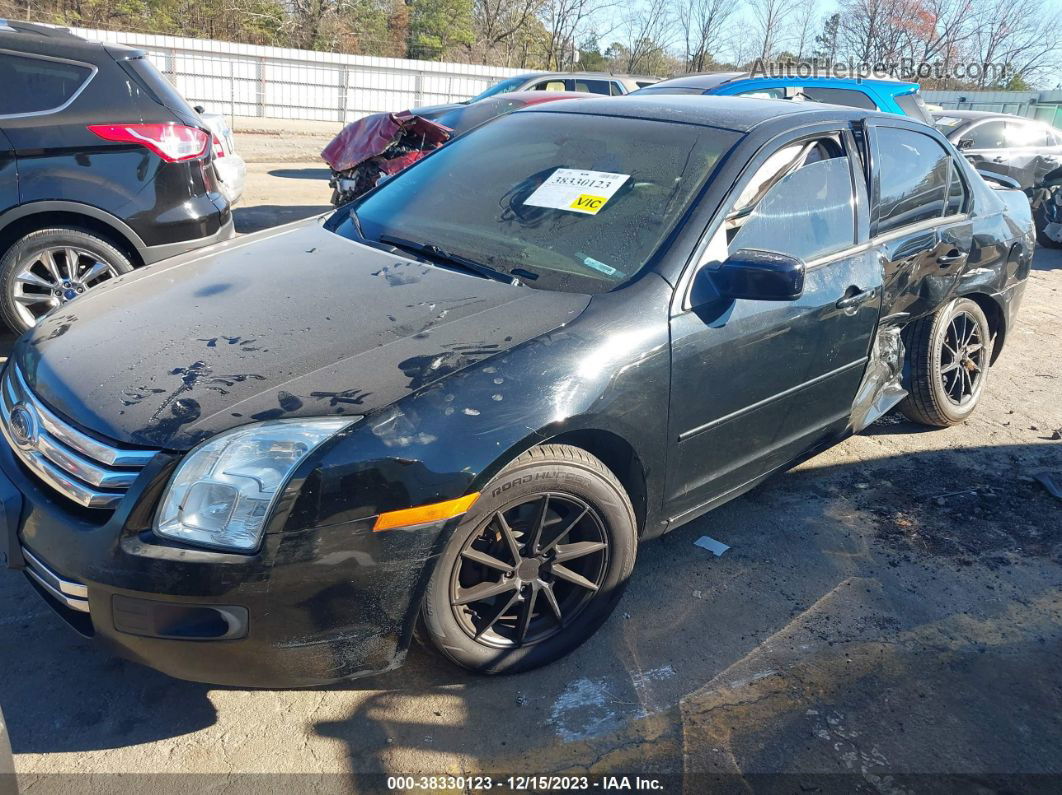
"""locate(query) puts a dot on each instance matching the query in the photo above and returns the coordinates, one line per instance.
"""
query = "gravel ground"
(889, 609)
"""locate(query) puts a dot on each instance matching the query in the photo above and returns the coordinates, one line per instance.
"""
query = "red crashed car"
(383, 144)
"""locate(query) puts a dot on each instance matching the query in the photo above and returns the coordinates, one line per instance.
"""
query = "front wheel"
(536, 566)
(949, 353)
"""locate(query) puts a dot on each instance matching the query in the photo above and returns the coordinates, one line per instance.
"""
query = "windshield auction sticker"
(577, 191)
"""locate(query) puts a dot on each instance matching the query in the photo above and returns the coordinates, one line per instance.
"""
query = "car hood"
(288, 323)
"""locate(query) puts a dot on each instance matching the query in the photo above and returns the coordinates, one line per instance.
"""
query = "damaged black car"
(460, 402)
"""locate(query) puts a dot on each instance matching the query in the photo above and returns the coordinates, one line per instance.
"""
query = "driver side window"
(800, 202)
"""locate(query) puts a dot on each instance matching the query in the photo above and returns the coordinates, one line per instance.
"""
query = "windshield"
(512, 84)
(561, 201)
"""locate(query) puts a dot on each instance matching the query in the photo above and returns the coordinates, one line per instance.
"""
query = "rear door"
(919, 222)
(755, 383)
(8, 175)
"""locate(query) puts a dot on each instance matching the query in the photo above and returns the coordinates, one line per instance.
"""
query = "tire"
(947, 374)
(25, 272)
(587, 509)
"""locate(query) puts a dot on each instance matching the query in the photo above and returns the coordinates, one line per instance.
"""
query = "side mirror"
(964, 144)
(199, 109)
(999, 180)
(760, 276)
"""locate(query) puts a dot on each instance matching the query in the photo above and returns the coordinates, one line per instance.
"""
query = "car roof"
(49, 40)
(594, 75)
(708, 80)
(540, 96)
(739, 114)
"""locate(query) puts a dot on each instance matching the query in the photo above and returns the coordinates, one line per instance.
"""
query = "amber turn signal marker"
(424, 513)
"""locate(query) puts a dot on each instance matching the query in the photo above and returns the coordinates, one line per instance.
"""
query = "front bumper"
(314, 606)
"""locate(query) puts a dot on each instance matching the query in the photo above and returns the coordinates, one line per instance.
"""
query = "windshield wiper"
(432, 251)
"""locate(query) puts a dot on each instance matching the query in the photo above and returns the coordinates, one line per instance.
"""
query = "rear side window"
(990, 135)
(38, 85)
(956, 192)
(157, 86)
(839, 96)
(763, 93)
(593, 86)
(549, 85)
(913, 173)
(1023, 134)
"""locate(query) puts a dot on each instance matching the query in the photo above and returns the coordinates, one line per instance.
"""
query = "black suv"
(103, 168)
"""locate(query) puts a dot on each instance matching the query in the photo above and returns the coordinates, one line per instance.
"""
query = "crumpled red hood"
(369, 137)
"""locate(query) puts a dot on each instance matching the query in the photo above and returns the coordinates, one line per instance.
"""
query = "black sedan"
(464, 399)
(1024, 150)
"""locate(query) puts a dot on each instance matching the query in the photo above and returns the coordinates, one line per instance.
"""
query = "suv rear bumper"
(153, 254)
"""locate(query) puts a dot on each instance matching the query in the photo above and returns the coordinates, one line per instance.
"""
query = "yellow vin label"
(585, 203)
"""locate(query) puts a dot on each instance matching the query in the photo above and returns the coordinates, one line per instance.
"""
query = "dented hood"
(289, 323)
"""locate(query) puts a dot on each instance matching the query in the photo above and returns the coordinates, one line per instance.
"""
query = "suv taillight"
(219, 150)
(172, 142)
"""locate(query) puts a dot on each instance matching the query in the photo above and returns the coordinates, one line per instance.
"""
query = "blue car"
(884, 94)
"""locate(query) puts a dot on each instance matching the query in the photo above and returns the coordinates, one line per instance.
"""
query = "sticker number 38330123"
(577, 191)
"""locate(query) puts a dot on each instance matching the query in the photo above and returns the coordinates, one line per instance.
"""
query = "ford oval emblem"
(22, 423)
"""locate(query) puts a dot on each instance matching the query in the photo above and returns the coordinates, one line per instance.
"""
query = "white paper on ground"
(717, 548)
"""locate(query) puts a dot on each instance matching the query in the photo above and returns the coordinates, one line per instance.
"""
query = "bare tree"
(1022, 34)
(770, 17)
(499, 21)
(703, 25)
(645, 34)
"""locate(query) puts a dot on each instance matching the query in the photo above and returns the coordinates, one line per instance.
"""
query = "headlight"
(222, 491)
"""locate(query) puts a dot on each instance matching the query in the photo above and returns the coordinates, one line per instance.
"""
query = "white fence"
(274, 82)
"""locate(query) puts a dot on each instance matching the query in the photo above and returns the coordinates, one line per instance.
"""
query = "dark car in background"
(103, 168)
(576, 327)
(1025, 150)
(602, 83)
(462, 117)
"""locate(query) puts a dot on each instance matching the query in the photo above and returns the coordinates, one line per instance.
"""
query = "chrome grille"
(89, 472)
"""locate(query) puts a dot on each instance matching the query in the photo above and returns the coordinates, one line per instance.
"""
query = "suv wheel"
(949, 355)
(51, 267)
(536, 566)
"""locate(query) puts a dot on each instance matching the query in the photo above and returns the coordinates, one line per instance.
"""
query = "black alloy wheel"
(962, 357)
(535, 567)
(949, 353)
(531, 570)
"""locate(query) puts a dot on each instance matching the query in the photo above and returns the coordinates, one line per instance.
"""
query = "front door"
(755, 383)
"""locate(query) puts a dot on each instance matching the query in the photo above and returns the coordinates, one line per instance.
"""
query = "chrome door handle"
(852, 301)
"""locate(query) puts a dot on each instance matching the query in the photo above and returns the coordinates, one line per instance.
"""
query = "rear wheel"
(536, 566)
(51, 267)
(949, 354)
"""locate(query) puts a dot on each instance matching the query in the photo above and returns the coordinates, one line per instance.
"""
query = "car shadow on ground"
(1047, 259)
(301, 173)
(863, 577)
(844, 585)
(264, 216)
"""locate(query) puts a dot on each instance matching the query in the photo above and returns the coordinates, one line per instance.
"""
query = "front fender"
(605, 371)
